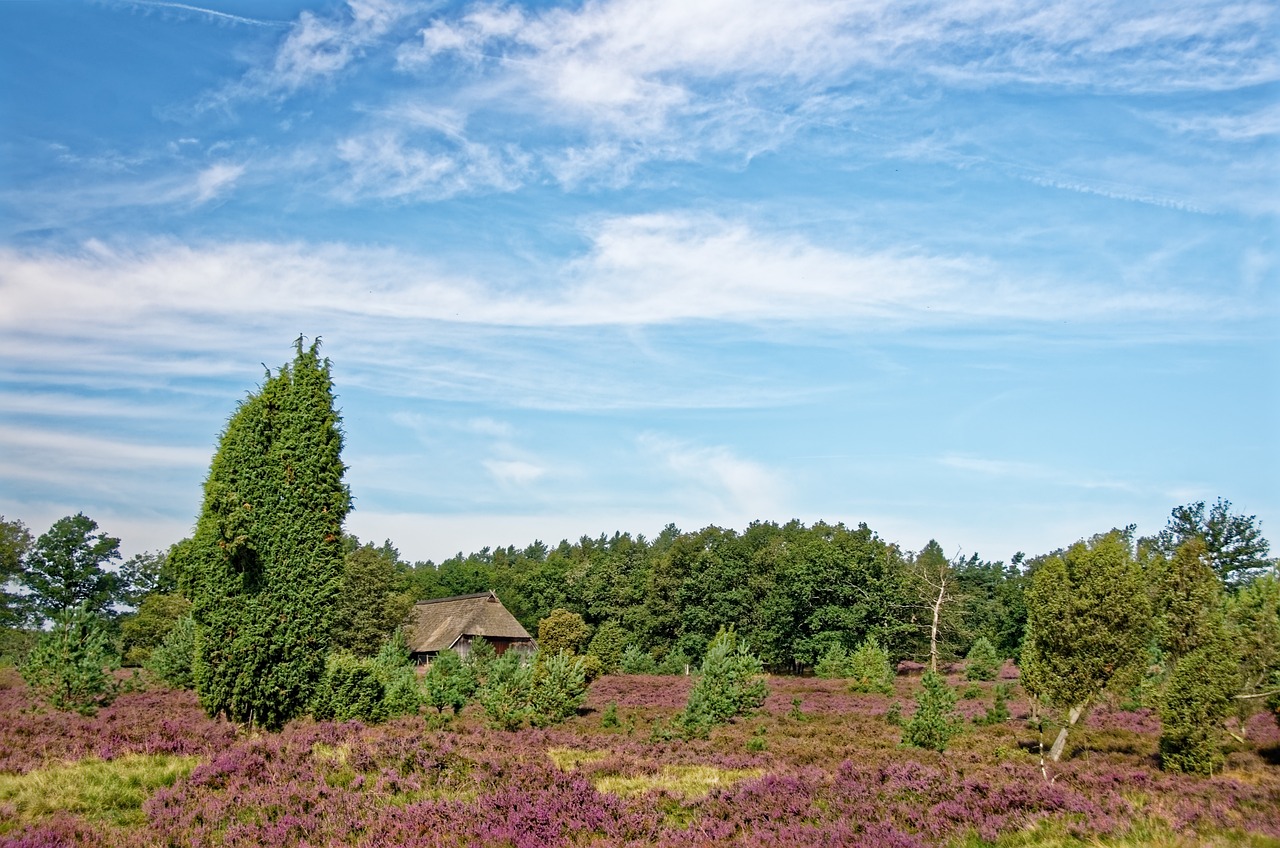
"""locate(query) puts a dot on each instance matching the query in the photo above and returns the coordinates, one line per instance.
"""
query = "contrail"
(211, 12)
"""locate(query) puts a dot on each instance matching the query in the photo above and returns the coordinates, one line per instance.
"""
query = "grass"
(1143, 834)
(687, 782)
(568, 759)
(110, 790)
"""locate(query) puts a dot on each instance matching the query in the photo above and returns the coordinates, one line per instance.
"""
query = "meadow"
(817, 766)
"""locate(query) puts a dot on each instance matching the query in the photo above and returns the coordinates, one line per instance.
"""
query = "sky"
(1002, 274)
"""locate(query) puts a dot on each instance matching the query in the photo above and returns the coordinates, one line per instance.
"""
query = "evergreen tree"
(934, 721)
(1088, 619)
(171, 661)
(69, 665)
(265, 563)
(982, 661)
(731, 684)
(868, 668)
(1196, 700)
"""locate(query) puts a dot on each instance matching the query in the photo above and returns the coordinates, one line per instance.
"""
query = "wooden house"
(454, 623)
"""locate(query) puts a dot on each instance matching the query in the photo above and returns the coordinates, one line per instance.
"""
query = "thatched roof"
(439, 624)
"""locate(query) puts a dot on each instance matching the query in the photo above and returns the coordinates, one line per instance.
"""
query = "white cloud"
(717, 481)
(514, 472)
(216, 180)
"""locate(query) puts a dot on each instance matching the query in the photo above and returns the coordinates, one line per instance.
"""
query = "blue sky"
(1002, 274)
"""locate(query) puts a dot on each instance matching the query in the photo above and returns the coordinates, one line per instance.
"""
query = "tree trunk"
(933, 630)
(1073, 715)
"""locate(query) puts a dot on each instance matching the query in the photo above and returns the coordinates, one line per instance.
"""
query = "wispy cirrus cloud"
(717, 480)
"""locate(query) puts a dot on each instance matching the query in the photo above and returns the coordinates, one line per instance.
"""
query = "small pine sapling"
(68, 667)
(834, 664)
(934, 722)
(869, 668)
(449, 683)
(171, 661)
(557, 690)
(982, 661)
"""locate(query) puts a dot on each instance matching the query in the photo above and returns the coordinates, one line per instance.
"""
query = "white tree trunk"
(1073, 715)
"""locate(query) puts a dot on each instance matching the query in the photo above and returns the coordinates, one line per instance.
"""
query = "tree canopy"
(65, 568)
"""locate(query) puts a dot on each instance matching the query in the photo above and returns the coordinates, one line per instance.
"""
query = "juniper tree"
(266, 559)
(1088, 618)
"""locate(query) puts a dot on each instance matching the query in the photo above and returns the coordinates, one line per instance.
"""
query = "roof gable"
(438, 624)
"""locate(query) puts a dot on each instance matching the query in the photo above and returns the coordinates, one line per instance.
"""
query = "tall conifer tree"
(265, 562)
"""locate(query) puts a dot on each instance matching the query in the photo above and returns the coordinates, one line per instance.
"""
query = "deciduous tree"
(65, 568)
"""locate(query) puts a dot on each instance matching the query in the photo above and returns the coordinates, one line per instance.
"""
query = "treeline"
(791, 591)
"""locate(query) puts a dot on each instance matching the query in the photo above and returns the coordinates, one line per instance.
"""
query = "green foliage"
(1197, 699)
(1187, 599)
(350, 689)
(982, 662)
(112, 791)
(70, 664)
(1233, 544)
(1088, 618)
(401, 695)
(64, 568)
(1253, 622)
(449, 682)
(557, 690)
(834, 664)
(999, 711)
(480, 656)
(636, 661)
(171, 660)
(934, 722)
(504, 693)
(868, 668)
(145, 630)
(266, 560)
(731, 683)
(369, 606)
(609, 718)
(148, 573)
(608, 645)
(15, 541)
(562, 631)
(675, 663)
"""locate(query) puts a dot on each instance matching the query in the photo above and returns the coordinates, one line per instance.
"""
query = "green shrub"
(834, 664)
(504, 694)
(401, 695)
(934, 721)
(982, 662)
(558, 688)
(676, 662)
(636, 661)
(171, 661)
(869, 668)
(608, 645)
(999, 711)
(562, 630)
(350, 689)
(1197, 699)
(69, 665)
(731, 683)
(449, 682)
(609, 718)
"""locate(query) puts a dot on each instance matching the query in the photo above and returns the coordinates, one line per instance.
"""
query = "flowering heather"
(833, 774)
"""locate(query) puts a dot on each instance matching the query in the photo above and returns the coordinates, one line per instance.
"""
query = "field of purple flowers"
(818, 766)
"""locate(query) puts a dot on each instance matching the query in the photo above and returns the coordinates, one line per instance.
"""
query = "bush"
(730, 684)
(69, 665)
(171, 661)
(449, 682)
(1197, 699)
(834, 664)
(350, 689)
(504, 694)
(934, 721)
(608, 645)
(636, 661)
(676, 663)
(982, 661)
(399, 679)
(558, 688)
(999, 712)
(562, 631)
(869, 668)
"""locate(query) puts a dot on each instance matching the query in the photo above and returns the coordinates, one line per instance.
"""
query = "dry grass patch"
(568, 759)
(111, 790)
(687, 782)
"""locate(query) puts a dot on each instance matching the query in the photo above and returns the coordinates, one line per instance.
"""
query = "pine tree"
(266, 560)
(935, 720)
